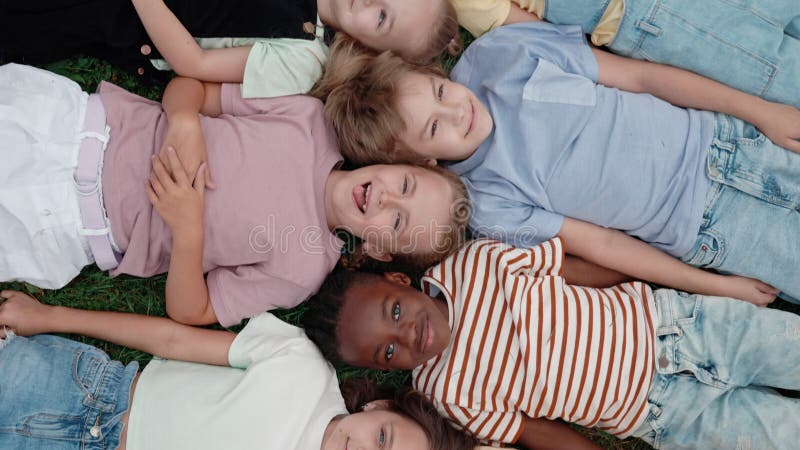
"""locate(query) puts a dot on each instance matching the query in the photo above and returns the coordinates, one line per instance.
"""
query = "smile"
(471, 118)
(361, 196)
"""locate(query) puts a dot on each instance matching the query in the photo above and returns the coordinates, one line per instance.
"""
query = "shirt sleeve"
(235, 104)
(480, 16)
(563, 45)
(277, 67)
(245, 291)
(513, 222)
(265, 336)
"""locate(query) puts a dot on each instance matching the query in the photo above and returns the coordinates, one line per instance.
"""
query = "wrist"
(187, 237)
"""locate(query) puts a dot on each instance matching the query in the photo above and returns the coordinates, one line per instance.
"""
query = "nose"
(455, 112)
(388, 199)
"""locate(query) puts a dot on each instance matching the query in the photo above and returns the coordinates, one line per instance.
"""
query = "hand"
(748, 289)
(781, 124)
(185, 135)
(23, 314)
(178, 201)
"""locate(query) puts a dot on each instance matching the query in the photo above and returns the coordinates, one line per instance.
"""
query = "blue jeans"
(58, 394)
(751, 222)
(716, 361)
(751, 45)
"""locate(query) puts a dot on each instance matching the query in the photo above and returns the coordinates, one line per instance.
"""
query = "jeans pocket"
(708, 251)
(87, 369)
(60, 427)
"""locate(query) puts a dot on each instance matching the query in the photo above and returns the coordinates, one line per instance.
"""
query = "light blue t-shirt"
(562, 145)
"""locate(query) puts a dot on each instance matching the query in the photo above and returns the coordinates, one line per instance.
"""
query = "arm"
(181, 50)
(618, 251)
(180, 203)
(518, 15)
(543, 434)
(580, 272)
(183, 100)
(155, 335)
(781, 123)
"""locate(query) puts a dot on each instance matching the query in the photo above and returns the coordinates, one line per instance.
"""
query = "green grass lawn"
(94, 289)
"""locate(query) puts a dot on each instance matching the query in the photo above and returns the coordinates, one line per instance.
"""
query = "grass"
(95, 290)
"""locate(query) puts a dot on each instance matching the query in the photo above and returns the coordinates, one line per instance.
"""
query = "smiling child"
(499, 340)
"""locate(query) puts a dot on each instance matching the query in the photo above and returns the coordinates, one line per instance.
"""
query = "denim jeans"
(751, 45)
(58, 394)
(751, 222)
(716, 362)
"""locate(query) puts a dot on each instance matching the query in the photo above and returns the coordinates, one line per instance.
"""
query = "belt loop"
(668, 330)
(648, 28)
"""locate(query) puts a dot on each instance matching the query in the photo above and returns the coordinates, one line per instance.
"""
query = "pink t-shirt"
(267, 243)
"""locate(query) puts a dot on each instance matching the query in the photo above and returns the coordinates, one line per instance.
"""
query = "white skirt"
(41, 115)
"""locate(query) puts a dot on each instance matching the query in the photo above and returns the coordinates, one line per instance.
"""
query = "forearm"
(543, 434)
(677, 86)
(625, 254)
(155, 335)
(580, 272)
(188, 300)
(183, 97)
(183, 53)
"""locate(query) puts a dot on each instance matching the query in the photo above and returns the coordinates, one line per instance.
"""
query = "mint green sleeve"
(277, 67)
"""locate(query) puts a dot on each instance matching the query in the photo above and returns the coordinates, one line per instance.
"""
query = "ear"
(378, 404)
(397, 277)
(375, 253)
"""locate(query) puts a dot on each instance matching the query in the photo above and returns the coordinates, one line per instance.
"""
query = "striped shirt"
(525, 343)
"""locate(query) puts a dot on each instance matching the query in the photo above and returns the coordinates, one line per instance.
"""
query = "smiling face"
(444, 120)
(394, 209)
(389, 325)
(397, 25)
(377, 429)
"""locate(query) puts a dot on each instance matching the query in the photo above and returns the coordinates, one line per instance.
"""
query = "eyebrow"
(426, 127)
(383, 317)
(391, 436)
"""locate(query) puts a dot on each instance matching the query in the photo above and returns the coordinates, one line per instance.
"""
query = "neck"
(331, 218)
(324, 12)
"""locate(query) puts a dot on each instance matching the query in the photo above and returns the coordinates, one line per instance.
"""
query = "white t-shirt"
(279, 394)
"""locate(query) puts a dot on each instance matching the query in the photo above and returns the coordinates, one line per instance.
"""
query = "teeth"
(366, 196)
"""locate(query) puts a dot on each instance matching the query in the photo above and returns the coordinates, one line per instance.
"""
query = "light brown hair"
(357, 392)
(360, 91)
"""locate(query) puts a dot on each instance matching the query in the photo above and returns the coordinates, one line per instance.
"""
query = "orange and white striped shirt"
(525, 343)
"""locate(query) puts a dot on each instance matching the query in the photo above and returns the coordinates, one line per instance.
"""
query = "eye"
(397, 222)
(405, 185)
(381, 18)
(389, 352)
(440, 92)
(396, 311)
(434, 127)
(382, 438)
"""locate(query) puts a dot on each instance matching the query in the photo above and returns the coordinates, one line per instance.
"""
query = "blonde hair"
(449, 242)
(360, 91)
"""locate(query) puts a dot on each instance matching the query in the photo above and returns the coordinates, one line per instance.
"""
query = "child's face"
(389, 325)
(444, 120)
(377, 429)
(394, 209)
(396, 25)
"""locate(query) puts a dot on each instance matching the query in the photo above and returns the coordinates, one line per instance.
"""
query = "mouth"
(346, 441)
(471, 118)
(425, 336)
(361, 196)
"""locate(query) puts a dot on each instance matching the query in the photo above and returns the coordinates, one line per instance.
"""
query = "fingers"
(160, 175)
(200, 180)
(792, 144)
(176, 167)
(210, 183)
